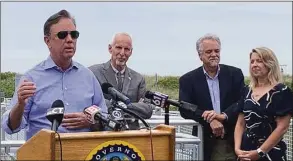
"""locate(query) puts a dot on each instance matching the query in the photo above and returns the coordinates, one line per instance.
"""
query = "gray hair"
(54, 19)
(206, 37)
(117, 34)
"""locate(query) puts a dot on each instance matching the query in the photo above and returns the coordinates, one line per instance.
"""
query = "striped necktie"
(119, 83)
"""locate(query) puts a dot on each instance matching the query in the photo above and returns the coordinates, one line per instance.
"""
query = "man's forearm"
(221, 117)
(196, 116)
(15, 116)
(232, 112)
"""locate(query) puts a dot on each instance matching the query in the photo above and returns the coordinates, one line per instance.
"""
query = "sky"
(164, 33)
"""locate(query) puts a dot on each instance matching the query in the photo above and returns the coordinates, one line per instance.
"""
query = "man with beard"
(124, 79)
(215, 88)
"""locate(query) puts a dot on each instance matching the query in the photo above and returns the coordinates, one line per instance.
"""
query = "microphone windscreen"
(56, 111)
(149, 95)
(105, 87)
(90, 113)
(57, 103)
(142, 109)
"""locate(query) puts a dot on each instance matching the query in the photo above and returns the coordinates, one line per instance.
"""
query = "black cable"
(145, 124)
(152, 149)
(60, 145)
(142, 120)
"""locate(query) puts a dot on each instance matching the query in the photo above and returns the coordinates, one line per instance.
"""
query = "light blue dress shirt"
(77, 87)
(213, 83)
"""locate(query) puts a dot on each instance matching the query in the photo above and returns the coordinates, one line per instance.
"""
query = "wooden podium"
(106, 145)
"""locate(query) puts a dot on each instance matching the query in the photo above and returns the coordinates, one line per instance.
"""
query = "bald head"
(120, 50)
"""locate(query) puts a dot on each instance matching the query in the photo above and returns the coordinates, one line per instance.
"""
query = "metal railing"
(188, 147)
(288, 138)
(9, 143)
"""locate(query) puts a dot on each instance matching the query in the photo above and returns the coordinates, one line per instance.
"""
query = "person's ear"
(110, 48)
(47, 41)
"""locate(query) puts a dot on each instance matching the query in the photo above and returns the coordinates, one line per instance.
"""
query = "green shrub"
(287, 81)
(170, 82)
(7, 83)
(170, 85)
(7, 75)
(164, 84)
(246, 80)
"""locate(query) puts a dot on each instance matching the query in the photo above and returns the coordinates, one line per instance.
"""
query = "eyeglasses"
(63, 34)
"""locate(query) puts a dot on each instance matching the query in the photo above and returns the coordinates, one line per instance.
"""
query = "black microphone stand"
(55, 125)
(167, 114)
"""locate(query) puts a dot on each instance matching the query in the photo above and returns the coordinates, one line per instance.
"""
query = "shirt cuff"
(6, 127)
(225, 115)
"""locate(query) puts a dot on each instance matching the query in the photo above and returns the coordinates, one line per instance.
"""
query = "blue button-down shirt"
(213, 83)
(77, 87)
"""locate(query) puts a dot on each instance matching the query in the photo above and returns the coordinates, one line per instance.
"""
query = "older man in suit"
(215, 88)
(124, 79)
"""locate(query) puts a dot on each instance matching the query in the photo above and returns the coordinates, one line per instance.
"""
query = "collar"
(115, 70)
(49, 63)
(206, 73)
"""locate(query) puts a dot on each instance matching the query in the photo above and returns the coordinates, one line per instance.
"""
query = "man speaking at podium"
(124, 79)
(57, 77)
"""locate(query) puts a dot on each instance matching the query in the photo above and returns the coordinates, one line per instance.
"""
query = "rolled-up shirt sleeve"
(6, 115)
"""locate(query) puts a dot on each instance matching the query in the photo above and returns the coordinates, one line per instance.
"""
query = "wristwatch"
(260, 153)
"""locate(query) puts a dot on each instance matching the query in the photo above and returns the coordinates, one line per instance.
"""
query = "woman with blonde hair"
(265, 111)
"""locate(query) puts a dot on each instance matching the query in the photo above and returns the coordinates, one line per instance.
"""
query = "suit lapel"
(223, 85)
(205, 89)
(109, 74)
(126, 82)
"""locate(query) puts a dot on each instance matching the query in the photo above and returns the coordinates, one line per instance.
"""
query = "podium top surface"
(107, 134)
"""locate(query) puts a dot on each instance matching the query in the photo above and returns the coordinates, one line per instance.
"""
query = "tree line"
(167, 84)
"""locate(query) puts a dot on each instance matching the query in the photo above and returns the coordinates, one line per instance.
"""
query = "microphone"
(142, 109)
(94, 116)
(188, 106)
(124, 108)
(118, 115)
(160, 99)
(116, 95)
(55, 114)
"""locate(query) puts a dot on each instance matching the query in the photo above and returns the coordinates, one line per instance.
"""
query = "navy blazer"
(193, 88)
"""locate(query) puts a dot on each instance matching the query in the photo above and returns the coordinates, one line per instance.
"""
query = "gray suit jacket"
(134, 86)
